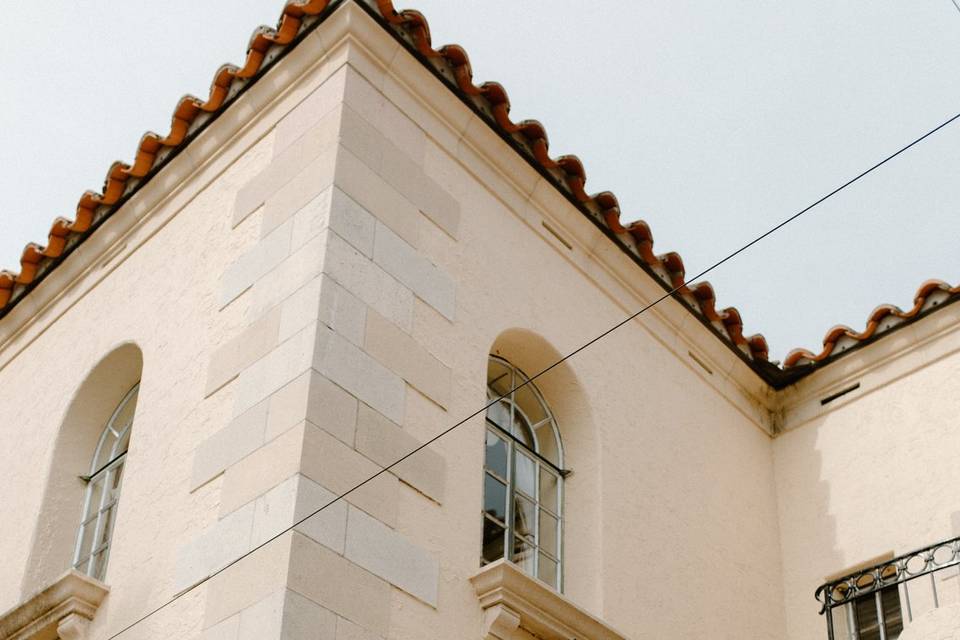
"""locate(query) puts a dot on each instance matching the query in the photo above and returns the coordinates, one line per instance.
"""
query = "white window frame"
(514, 445)
(102, 495)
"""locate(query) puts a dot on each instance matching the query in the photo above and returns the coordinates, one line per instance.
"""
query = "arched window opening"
(523, 477)
(103, 489)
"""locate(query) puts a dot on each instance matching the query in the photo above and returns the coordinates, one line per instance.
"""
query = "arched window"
(523, 477)
(103, 489)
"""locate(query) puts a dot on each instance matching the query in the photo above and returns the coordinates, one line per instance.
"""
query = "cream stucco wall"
(314, 286)
(874, 471)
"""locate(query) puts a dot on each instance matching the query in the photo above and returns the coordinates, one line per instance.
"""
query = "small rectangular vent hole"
(833, 396)
(700, 362)
(557, 235)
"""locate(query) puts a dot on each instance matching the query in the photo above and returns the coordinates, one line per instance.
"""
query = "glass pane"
(106, 525)
(498, 378)
(116, 475)
(548, 570)
(123, 419)
(528, 402)
(499, 414)
(549, 490)
(523, 554)
(492, 540)
(526, 474)
(549, 533)
(524, 512)
(547, 440)
(520, 430)
(94, 490)
(103, 455)
(87, 532)
(100, 564)
(494, 497)
(496, 459)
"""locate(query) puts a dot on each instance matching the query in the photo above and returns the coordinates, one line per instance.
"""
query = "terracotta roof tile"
(489, 100)
(931, 294)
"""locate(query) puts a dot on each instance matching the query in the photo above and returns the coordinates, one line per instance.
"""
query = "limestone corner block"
(347, 630)
(339, 585)
(356, 371)
(384, 442)
(236, 354)
(238, 439)
(375, 195)
(402, 354)
(323, 300)
(248, 581)
(339, 468)
(220, 544)
(368, 282)
(401, 260)
(299, 498)
(388, 554)
(257, 262)
(314, 398)
(262, 470)
(282, 615)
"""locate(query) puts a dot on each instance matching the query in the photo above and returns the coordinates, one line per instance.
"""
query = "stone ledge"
(64, 609)
(515, 605)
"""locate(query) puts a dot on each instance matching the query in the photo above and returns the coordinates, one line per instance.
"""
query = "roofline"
(527, 138)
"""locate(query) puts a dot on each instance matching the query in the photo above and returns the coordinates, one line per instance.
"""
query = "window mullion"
(509, 531)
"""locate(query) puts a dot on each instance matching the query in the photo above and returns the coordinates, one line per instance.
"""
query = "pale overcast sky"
(710, 120)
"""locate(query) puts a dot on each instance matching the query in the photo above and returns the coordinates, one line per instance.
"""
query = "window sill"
(516, 606)
(64, 609)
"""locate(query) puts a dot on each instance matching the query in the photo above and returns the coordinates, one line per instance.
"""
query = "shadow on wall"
(808, 529)
(566, 396)
(59, 515)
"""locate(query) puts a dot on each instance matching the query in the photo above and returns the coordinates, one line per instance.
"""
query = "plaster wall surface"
(407, 225)
(872, 473)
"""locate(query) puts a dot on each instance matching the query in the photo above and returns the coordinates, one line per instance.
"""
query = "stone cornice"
(515, 605)
(65, 608)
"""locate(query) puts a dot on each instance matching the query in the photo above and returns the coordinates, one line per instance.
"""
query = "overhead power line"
(582, 347)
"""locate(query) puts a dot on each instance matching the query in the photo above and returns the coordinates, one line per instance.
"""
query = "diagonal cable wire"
(587, 344)
(956, 4)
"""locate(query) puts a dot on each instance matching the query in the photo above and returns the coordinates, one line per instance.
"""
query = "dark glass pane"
(892, 617)
(524, 512)
(548, 570)
(549, 536)
(492, 541)
(494, 497)
(496, 460)
(525, 478)
(523, 554)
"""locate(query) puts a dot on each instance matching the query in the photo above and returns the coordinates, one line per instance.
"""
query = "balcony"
(915, 595)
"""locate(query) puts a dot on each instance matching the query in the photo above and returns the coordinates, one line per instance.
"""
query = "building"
(346, 249)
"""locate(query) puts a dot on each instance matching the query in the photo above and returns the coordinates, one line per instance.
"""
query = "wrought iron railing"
(874, 581)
